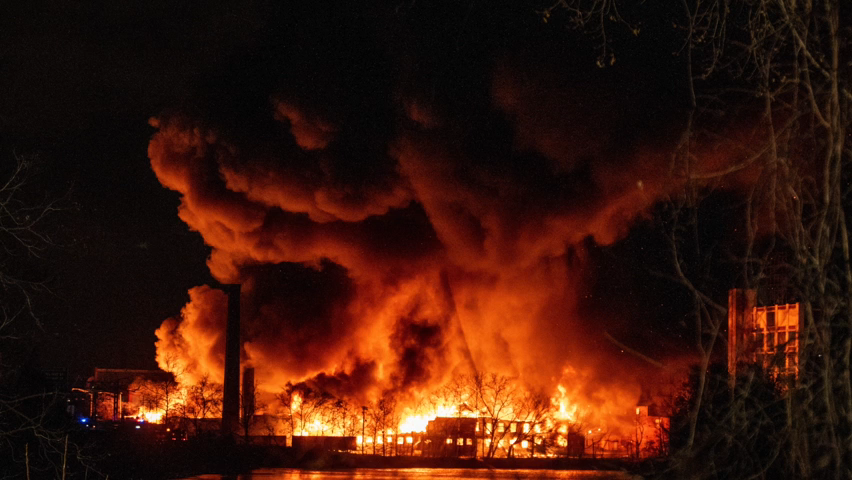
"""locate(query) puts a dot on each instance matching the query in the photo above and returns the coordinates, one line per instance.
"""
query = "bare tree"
(496, 395)
(31, 439)
(303, 406)
(203, 400)
(342, 417)
(460, 393)
(23, 238)
(165, 395)
(385, 417)
(531, 414)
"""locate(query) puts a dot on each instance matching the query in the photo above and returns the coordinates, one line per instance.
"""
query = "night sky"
(82, 79)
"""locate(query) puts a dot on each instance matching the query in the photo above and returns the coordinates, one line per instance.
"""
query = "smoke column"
(389, 231)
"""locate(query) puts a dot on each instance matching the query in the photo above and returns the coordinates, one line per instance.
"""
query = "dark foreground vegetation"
(48, 443)
(742, 427)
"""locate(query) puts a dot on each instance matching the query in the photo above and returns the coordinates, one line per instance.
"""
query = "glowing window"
(513, 427)
(791, 360)
(400, 441)
(501, 427)
(469, 441)
(449, 441)
(459, 441)
(409, 439)
(525, 444)
(526, 428)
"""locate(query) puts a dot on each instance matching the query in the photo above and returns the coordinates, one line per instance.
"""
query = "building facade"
(762, 335)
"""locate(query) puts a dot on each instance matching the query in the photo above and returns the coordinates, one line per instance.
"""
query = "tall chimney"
(231, 393)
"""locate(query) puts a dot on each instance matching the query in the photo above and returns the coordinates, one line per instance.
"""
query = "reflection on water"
(418, 473)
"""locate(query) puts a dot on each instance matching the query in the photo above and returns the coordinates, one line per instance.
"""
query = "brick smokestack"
(231, 393)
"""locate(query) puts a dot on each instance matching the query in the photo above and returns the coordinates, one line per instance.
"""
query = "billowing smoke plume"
(386, 247)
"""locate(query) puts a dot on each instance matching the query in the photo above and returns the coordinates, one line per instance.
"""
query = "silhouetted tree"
(496, 395)
(203, 400)
(33, 428)
(741, 447)
(302, 406)
(385, 418)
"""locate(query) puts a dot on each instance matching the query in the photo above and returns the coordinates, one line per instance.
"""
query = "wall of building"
(762, 335)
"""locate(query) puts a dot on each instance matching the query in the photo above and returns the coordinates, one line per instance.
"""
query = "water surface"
(418, 473)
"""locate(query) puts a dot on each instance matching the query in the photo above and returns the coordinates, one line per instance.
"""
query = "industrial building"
(767, 336)
(109, 391)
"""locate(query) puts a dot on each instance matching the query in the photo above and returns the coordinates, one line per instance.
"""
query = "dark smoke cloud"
(387, 237)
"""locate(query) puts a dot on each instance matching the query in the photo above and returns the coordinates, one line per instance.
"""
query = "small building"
(651, 438)
(110, 390)
(450, 437)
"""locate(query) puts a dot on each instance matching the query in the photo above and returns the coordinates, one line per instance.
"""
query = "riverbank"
(121, 459)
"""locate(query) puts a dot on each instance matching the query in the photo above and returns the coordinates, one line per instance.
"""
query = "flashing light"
(84, 420)
(138, 427)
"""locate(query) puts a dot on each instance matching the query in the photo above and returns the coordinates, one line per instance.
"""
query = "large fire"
(300, 411)
(376, 270)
